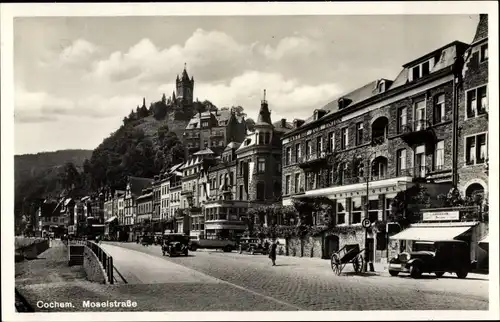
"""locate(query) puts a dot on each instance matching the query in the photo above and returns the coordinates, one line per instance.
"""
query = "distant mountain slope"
(28, 166)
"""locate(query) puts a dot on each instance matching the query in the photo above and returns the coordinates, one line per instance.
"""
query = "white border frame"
(148, 9)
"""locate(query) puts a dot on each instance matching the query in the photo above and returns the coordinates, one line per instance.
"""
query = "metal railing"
(415, 126)
(312, 157)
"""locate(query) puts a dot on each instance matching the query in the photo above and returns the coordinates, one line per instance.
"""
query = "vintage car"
(439, 257)
(146, 240)
(202, 243)
(175, 244)
(252, 245)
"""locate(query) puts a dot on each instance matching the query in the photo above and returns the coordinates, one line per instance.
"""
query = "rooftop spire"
(264, 113)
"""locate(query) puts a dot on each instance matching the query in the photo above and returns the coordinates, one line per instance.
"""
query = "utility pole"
(367, 214)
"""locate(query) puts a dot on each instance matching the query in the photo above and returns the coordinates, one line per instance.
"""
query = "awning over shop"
(111, 219)
(431, 233)
(485, 240)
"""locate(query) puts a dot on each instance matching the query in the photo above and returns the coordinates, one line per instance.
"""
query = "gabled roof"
(232, 145)
(206, 151)
(358, 95)
(278, 127)
(138, 183)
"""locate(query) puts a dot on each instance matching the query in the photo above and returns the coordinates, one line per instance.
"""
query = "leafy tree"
(250, 124)
(406, 205)
(160, 110)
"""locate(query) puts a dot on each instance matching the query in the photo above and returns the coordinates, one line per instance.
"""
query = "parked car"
(252, 245)
(196, 242)
(452, 256)
(146, 240)
(175, 244)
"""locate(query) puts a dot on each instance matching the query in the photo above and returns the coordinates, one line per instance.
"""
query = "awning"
(430, 233)
(111, 219)
(485, 240)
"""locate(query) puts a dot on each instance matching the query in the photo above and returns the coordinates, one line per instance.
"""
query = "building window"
(401, 161)
(421, 70)
(261, 165)
(373, 210)
(267, 138)
(288, 156)
(439, 109)
(344, 138)
(402, 112)
(241, 167)
(476, 150)
(425, 68)
(483, 56)
(318, 183)
(297, 183)
(331, 142)
(439, 160)
(288, 180)
(308, 148)
(420, 120)
(342, 174)
(356, 210)
(297, 153)
(473, 96)
(331, 172)
(341, 211)
(319, 145)
(261, 191)
(309, 181)
(420, 164)
(359, 133)
(388, 207)
(204, 124)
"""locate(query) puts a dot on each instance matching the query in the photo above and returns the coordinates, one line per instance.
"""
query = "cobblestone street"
(295, 283)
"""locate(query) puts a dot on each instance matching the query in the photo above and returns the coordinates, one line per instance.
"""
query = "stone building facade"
(374, 142)
(472, 157)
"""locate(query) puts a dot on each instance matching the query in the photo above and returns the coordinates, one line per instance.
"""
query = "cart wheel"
(336, 266)
(357, 263)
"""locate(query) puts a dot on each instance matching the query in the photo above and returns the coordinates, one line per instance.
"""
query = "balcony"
(187, 193)
(312, 160)
(217, 134)
(419, 173)
(419, 131)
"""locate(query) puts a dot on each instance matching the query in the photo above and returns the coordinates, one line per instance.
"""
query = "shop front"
(440, 225)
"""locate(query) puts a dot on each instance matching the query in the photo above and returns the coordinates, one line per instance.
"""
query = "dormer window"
(341, 103)
(381, 86)
(421, 70)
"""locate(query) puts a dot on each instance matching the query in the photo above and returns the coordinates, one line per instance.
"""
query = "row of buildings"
(428, 126)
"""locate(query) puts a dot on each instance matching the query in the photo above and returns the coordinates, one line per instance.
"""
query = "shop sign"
(440, 216)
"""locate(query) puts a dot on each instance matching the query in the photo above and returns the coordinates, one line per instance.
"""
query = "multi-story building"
(222, 211)
(164, 195)
(176, 220)
(156, 191)
(195, 189)
(375, 141)
(472, 145)
(214, 130)
(145, 206)
(49, 219)
(258, 175)
(132, 192)
(97, 207)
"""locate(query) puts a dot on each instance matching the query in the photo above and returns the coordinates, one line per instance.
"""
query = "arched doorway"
(379, 130)
(475, 191)
(331, 245)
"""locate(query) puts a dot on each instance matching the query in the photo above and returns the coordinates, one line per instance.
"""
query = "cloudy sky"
(76, 78)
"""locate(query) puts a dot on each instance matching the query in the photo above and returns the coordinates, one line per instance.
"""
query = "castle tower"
(185, 87)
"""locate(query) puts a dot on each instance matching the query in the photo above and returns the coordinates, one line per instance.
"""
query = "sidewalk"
(381, 269)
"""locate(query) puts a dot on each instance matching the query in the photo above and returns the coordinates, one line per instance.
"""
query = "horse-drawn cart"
(348, 254)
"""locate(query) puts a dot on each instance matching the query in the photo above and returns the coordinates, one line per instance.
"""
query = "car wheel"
(415, 271)
(394, 273)
(439, 274)
(193, 248)
(252, 252)
(462, 273)
(228, 249)
(241, 251)
(163, 253)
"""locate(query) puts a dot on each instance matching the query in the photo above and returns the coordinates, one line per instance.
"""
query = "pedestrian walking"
(272, 253)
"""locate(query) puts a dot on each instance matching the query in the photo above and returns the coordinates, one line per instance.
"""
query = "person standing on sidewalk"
(272, 253)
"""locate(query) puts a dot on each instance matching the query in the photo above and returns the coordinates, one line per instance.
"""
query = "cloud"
(213, 54)
(288, 97)
(290, 47)
(79, 51)
(37, 107)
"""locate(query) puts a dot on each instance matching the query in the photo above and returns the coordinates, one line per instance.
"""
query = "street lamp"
(367, 204)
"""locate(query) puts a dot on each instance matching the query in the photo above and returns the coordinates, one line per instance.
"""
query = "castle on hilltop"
(181, 103)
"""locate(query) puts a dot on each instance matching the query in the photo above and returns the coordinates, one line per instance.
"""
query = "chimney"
(283, 123)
